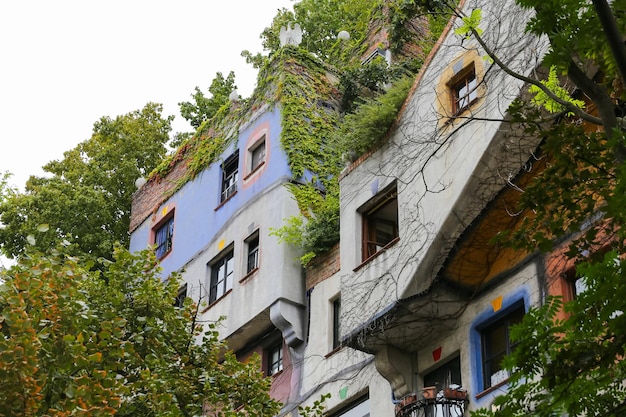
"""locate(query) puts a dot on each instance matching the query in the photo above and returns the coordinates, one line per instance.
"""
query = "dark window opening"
(496, 344)
(252, 244)
(275, 359)
(221, 276)
(181, 296)
(445, 375)
(336, 322)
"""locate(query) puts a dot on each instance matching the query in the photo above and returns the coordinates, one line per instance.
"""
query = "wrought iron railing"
(448, 403)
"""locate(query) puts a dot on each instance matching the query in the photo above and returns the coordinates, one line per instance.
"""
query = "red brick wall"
(148, 198)
(322, 267)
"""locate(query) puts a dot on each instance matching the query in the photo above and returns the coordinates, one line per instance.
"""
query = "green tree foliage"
(573, 366)
(86, 196)
(321, 21)
(97, 343)
(204, 108)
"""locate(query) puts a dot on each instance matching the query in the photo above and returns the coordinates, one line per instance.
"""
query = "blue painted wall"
(197, 211)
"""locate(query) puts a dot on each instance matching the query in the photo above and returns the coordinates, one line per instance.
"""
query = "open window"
(463, 89)
(496, 344)
(380, 222)
(230, 174)
(252, 252)
(163, 236)
(222, 271)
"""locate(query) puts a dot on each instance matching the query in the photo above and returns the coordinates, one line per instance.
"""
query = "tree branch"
(569, 106)
(613, 36)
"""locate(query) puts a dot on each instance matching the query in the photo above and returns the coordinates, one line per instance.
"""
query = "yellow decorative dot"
(496, 303)
(221, 244)
(164, 211)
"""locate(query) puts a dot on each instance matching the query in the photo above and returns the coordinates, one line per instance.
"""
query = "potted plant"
(455, 394)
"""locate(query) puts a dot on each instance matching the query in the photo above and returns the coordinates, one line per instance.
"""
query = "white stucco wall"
(445, 170)
(346, 374)
(279, 274)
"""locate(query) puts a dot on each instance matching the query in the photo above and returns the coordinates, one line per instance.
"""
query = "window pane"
(275, 359)
(445, 375)
(465, 91)
(163, 238)
(221, 276)
(253, 254)
(360, 410)
(230, 174)
(496, 345)
(258, 156)
(380, 226)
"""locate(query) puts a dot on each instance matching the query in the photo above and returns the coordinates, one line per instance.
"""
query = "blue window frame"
(496, 344)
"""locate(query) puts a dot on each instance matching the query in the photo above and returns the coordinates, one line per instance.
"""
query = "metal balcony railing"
(446, 403)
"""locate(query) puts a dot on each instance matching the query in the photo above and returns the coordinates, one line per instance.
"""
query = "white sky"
(66, 63)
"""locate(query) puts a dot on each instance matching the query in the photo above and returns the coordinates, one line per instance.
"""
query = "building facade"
(409, 314)
(422, 288)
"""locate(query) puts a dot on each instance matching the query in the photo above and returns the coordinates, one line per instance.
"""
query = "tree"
(89, 343)
(321, 21)
(572, 365)
(87, 196)
(204, 108)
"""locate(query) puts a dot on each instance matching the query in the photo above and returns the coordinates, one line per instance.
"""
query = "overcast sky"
(66, 63)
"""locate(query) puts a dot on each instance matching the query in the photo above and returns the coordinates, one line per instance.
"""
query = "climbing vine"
(313, 97)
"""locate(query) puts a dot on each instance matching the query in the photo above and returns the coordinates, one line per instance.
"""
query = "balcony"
(446, 403)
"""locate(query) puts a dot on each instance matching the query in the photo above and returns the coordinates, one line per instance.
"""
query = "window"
(252, 245)
(496, 344)
(445, 375)
(180, 298)
(580, 286)
(336, 318)
(361, 409)
(221, 276)
(257, 154)
(163, 237)
(275, 359)
(230, 173)
(380, 223)
(463, 89)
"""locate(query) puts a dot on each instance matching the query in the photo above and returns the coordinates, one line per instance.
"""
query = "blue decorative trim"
(483, 319)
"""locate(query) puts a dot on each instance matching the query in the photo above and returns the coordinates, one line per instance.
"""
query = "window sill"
(254, 171)
(165, 255)
(377, 254)
(332, 352)
(225, 201)
(276, 374)
(249, 275)
(492, 388)
(216, 301)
